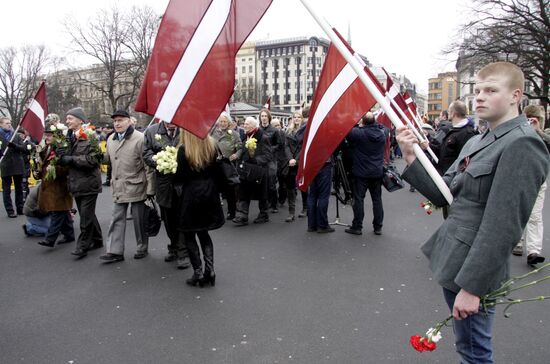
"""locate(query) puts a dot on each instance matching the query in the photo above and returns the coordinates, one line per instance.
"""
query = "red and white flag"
(340, 100)
(392, 92)
(410, 102)
(35, 116)
(191, 73)
(267, 104)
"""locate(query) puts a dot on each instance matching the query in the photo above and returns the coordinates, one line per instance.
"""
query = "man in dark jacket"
(83, 160)
(157, 137)
(367, 141)
(276, 144)
(457, 135)
(12, 167)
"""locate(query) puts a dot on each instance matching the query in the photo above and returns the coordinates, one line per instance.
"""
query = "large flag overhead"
(340, 100)
(35, 116)
(191, 73)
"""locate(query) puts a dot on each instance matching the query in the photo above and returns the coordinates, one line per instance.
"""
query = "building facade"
(442, 90)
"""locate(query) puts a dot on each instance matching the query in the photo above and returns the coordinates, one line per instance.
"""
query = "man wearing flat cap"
(83, 161)
(131, 182)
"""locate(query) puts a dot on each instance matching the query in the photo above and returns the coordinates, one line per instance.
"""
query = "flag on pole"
(410, 102)
(35, 116)
(267, 104)
(340, 100)
(191, 73)
(392, 92)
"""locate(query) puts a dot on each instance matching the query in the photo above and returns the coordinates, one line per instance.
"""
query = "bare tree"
(20, 72)
(121, 45)
(512, 30)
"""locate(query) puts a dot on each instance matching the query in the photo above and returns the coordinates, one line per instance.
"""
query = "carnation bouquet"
(166, 160)
(500, 296)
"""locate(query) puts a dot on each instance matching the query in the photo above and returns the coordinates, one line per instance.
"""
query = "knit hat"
(77, 112)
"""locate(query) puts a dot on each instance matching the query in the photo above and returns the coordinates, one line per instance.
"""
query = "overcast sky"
(404, 36)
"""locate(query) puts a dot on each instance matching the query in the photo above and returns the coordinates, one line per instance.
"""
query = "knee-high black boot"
(194, 257)
(208, 255)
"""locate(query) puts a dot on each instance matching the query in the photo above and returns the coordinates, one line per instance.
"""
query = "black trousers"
(206, 246)
(90, 231)
(6, 193)
(360, 187)
(170, 218)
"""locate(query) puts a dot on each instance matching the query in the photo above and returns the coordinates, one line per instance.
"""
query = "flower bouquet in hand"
(59, 145)
(166, 160)
(428, 341)
(251, 144)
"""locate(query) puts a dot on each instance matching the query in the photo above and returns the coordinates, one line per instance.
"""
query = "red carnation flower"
(417, 344)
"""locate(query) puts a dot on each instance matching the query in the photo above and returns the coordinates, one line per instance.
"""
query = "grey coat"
(494, 182)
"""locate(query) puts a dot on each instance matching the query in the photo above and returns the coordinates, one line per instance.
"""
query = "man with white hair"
(256, 154)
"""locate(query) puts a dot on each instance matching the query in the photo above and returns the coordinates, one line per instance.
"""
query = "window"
(244, 69)
(471, 88)
(250, 69)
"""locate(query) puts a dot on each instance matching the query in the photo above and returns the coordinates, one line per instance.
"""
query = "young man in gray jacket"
(469, 254)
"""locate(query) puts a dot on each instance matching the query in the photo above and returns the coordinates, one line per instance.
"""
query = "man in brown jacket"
(131, 183)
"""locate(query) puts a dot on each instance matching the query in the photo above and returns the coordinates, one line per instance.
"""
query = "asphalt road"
(282, 295)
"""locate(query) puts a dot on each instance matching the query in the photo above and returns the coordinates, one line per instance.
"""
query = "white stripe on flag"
(37, 109)
(409, 101)
(331, 96)
(197, 50)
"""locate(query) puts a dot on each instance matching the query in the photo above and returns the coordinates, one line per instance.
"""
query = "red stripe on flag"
(348, 107)
(214, 82)
(34, 118)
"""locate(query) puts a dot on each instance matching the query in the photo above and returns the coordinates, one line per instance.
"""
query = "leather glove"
(65, 160)
(11, 145)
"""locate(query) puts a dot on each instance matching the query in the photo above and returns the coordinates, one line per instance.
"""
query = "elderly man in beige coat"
(131, 183)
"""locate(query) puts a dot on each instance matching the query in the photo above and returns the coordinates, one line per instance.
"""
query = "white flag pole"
(418, 133)
(7, 149)
(359, 69)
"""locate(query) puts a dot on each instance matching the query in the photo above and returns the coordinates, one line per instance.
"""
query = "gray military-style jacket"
(495, 182)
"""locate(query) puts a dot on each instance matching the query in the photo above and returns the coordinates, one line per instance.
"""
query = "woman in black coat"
(197, 181)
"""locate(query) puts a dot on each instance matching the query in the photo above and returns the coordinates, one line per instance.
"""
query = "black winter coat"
(163, 182)
(13, 163)
(84, 173)
(262, 157)
(367, 144)
(199, 196)
(451, 146)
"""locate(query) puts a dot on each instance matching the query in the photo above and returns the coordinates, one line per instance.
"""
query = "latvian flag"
(34, 119)
(340, 100)
(191, 73)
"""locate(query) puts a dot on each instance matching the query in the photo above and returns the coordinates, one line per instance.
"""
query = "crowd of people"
(258, 161)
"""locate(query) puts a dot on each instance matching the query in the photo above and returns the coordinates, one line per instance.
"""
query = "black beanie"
(77, 112)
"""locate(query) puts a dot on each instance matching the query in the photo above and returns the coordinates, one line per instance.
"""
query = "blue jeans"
(473, 334)
(38, 226)
(61, 222)
(317, 199)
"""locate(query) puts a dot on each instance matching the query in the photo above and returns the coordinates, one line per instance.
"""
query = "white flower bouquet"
(167, 160)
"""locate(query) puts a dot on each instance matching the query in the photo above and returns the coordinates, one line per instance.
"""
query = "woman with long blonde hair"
(197, 181)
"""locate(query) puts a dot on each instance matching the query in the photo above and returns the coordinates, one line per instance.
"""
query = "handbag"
(230, 172)
(392, 179)
(251, 172)
(152, 218)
